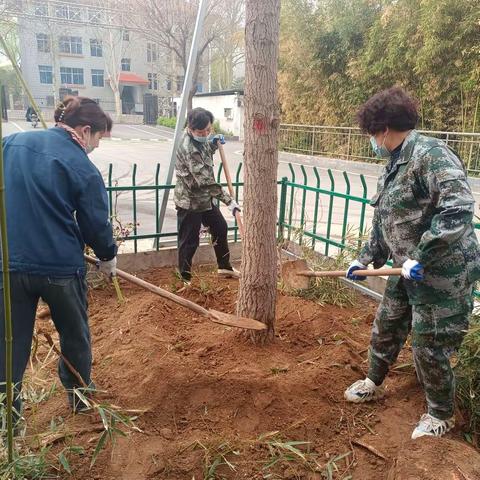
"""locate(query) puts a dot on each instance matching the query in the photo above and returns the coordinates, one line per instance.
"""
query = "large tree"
(258, 284)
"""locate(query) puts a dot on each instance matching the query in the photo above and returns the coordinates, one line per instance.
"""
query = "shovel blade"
(290, 275)
(234, 321)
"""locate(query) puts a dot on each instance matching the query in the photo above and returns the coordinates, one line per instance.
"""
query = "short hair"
(81, 111)
(392, 108)
(199, 118)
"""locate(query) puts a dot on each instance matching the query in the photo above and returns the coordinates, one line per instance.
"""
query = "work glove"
(355, 265)
(108, 267)
(412, 270)
(234, 207)
(216, 138)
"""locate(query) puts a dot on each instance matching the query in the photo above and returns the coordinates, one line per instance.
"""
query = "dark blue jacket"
(56, 202)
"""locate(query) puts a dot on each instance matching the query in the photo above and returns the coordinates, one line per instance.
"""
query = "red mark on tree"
(259, 123)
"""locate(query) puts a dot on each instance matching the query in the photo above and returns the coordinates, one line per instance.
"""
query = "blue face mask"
(380, 151)
(200, 139)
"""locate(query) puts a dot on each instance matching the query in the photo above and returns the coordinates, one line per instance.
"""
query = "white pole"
(202, 8)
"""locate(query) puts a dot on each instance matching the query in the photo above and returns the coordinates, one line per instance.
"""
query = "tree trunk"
(258, 285)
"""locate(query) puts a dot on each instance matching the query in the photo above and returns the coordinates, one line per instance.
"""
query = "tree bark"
(258, 285)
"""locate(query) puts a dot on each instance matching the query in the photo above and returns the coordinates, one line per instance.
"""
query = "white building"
(227, 107)
(86, 49)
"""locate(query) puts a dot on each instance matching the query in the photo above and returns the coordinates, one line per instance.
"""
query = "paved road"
(146, 146)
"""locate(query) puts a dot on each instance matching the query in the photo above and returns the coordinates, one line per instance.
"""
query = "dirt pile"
(218, 407)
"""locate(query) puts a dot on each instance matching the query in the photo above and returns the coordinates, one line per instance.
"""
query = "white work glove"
(108, 267)
(355, 265)
(412, 270)
(234, 207)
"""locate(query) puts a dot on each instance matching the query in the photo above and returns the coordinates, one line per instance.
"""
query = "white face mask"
(88, 147)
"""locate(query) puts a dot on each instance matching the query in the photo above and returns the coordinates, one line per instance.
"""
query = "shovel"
(230, 186)
(296, 275)
(213, 315)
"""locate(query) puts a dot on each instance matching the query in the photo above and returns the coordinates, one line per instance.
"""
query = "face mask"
(89, 148)
(380, 151)
(201, 139)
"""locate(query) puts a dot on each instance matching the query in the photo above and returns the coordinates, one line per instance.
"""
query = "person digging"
(423, 222)
(195, 190)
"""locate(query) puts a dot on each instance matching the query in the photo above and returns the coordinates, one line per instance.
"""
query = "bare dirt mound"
(218, 407)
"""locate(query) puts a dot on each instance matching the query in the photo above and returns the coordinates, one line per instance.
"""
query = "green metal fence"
(351, 144)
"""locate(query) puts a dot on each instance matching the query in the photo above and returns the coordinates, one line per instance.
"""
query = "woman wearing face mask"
(56, 203)
(195, 190)
(423, 223)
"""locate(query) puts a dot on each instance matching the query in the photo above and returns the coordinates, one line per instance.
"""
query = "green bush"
(169, 122)
(218, 129)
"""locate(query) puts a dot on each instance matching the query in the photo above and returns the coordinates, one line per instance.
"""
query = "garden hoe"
(296, 274)
(214, 315)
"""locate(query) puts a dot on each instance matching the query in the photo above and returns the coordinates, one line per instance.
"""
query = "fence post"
(348, 142)
(283, 204)
(312, 150)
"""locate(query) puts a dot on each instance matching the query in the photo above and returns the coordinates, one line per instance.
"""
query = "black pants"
(189, 224)
(67, 299)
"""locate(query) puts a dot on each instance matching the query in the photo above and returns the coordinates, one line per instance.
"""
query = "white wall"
(217, 105)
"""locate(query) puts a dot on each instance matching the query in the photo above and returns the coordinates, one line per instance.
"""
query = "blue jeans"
(67, 299)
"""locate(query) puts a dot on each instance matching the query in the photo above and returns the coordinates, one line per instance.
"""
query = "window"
(70, 45)
(228, 113)
(125, 64)
(180, 79)
(40, 9)
(96, 48)
(168, 84)
(126, 36)
(97, 78)
(50, 101)
(153, 81)
(43, 45)
(151, 53)
(94, 15)
(46, 74)
(68, 12)
(71, 76)
(199, 88)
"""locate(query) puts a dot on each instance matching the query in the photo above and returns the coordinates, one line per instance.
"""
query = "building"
(87, 49)
(227, 107)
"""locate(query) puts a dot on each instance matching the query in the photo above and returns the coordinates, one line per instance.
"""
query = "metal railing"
(349, 143)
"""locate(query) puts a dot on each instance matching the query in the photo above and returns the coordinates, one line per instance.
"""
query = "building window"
(126, 35)
(97, 78)
(94, 16)
(70, 45)
(199, 88)
(40, 9)
(125, 64)
(46, 74)
(153, 81)
(96, 48)
(180, 79)
(67, 12)
(71, 76)
(168, 84)
(228, 113)
(43, 45)
(50, 101)
(152, 55)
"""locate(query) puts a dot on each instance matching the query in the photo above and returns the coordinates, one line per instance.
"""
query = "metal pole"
(202, 8)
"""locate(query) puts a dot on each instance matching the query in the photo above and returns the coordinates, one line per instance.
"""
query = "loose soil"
(210, 396)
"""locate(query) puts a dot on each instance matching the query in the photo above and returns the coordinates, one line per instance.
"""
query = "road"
(143, 147)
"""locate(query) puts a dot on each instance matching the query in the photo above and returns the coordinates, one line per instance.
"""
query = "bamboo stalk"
(6, 304)
(22, 81)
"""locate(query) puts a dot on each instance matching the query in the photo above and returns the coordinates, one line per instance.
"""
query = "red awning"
(127, 77)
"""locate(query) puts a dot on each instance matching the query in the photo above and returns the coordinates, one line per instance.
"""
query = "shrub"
(169, 122)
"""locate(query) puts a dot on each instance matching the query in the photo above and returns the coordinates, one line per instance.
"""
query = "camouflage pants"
(437, 332)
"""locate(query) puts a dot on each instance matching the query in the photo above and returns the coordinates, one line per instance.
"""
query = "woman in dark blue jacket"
(56, 203)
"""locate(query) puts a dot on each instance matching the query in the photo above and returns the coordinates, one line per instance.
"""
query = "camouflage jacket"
(424, 210)
(196, 186)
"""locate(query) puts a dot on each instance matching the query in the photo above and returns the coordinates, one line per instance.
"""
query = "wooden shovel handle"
(157, 290)
(381, 272)
(230, 185)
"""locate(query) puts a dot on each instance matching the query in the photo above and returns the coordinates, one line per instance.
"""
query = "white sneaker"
(432, 426)
(226, 273)
(363, 391)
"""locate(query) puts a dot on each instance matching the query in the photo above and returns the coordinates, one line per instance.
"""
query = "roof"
(220, 93)
(127, 77)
